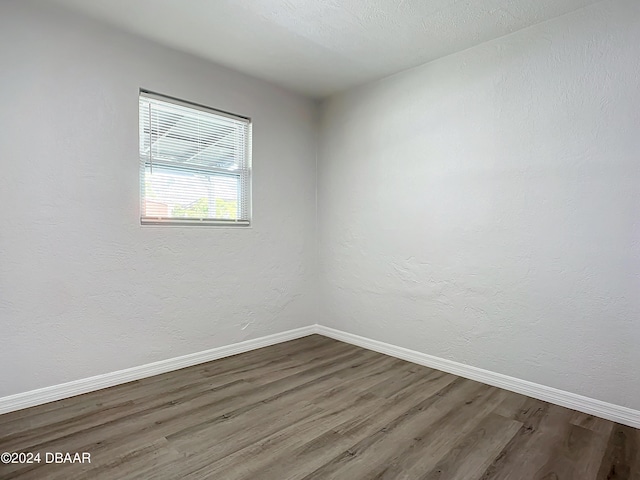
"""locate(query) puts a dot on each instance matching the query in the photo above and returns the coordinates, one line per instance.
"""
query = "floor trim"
(591, 406)
(85, 385)
(609, 411)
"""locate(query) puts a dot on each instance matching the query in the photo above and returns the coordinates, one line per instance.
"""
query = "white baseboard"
(597, 408)
(85, 385)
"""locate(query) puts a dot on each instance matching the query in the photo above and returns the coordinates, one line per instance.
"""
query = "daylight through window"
(195, 166)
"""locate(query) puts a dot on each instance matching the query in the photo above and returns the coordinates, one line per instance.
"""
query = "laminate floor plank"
(322, 446)
(533, 445)
(621, 460)
(430, 443)
(231, 432)
(199, 408)
(248, 462)
(510, 406)
(316, 408)
(99, 436)
(248, 366)
(201, 397)
(234, 437)
(578, 455)
(393, 441)
(470, 457)
(595, 424)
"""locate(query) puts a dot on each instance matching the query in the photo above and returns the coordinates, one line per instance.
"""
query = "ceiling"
(319, 47)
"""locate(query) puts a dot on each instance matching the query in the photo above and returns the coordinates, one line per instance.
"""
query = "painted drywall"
(86, 290)
(322, 47)
(485, 208)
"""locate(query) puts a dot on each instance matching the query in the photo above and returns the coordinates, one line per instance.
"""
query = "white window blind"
(195, 164)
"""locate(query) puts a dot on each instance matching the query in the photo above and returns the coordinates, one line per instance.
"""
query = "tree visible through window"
(195, 164)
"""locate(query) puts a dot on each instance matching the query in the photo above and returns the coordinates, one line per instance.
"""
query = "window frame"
(244, 176)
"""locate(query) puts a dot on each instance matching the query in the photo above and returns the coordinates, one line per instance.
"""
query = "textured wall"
(84, 289)
(485, 208)
(319, 47)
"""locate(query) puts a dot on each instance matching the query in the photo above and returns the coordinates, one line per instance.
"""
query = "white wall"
(84, 289)
(485, 208)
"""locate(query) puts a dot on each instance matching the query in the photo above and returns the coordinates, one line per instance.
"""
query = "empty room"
(320, 239)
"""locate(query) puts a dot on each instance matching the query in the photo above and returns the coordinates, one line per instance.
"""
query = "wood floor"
(315, 408)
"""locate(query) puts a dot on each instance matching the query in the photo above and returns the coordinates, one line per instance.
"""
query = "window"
(195, 164)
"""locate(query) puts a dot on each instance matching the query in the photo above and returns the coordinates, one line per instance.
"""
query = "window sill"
(173, 222)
